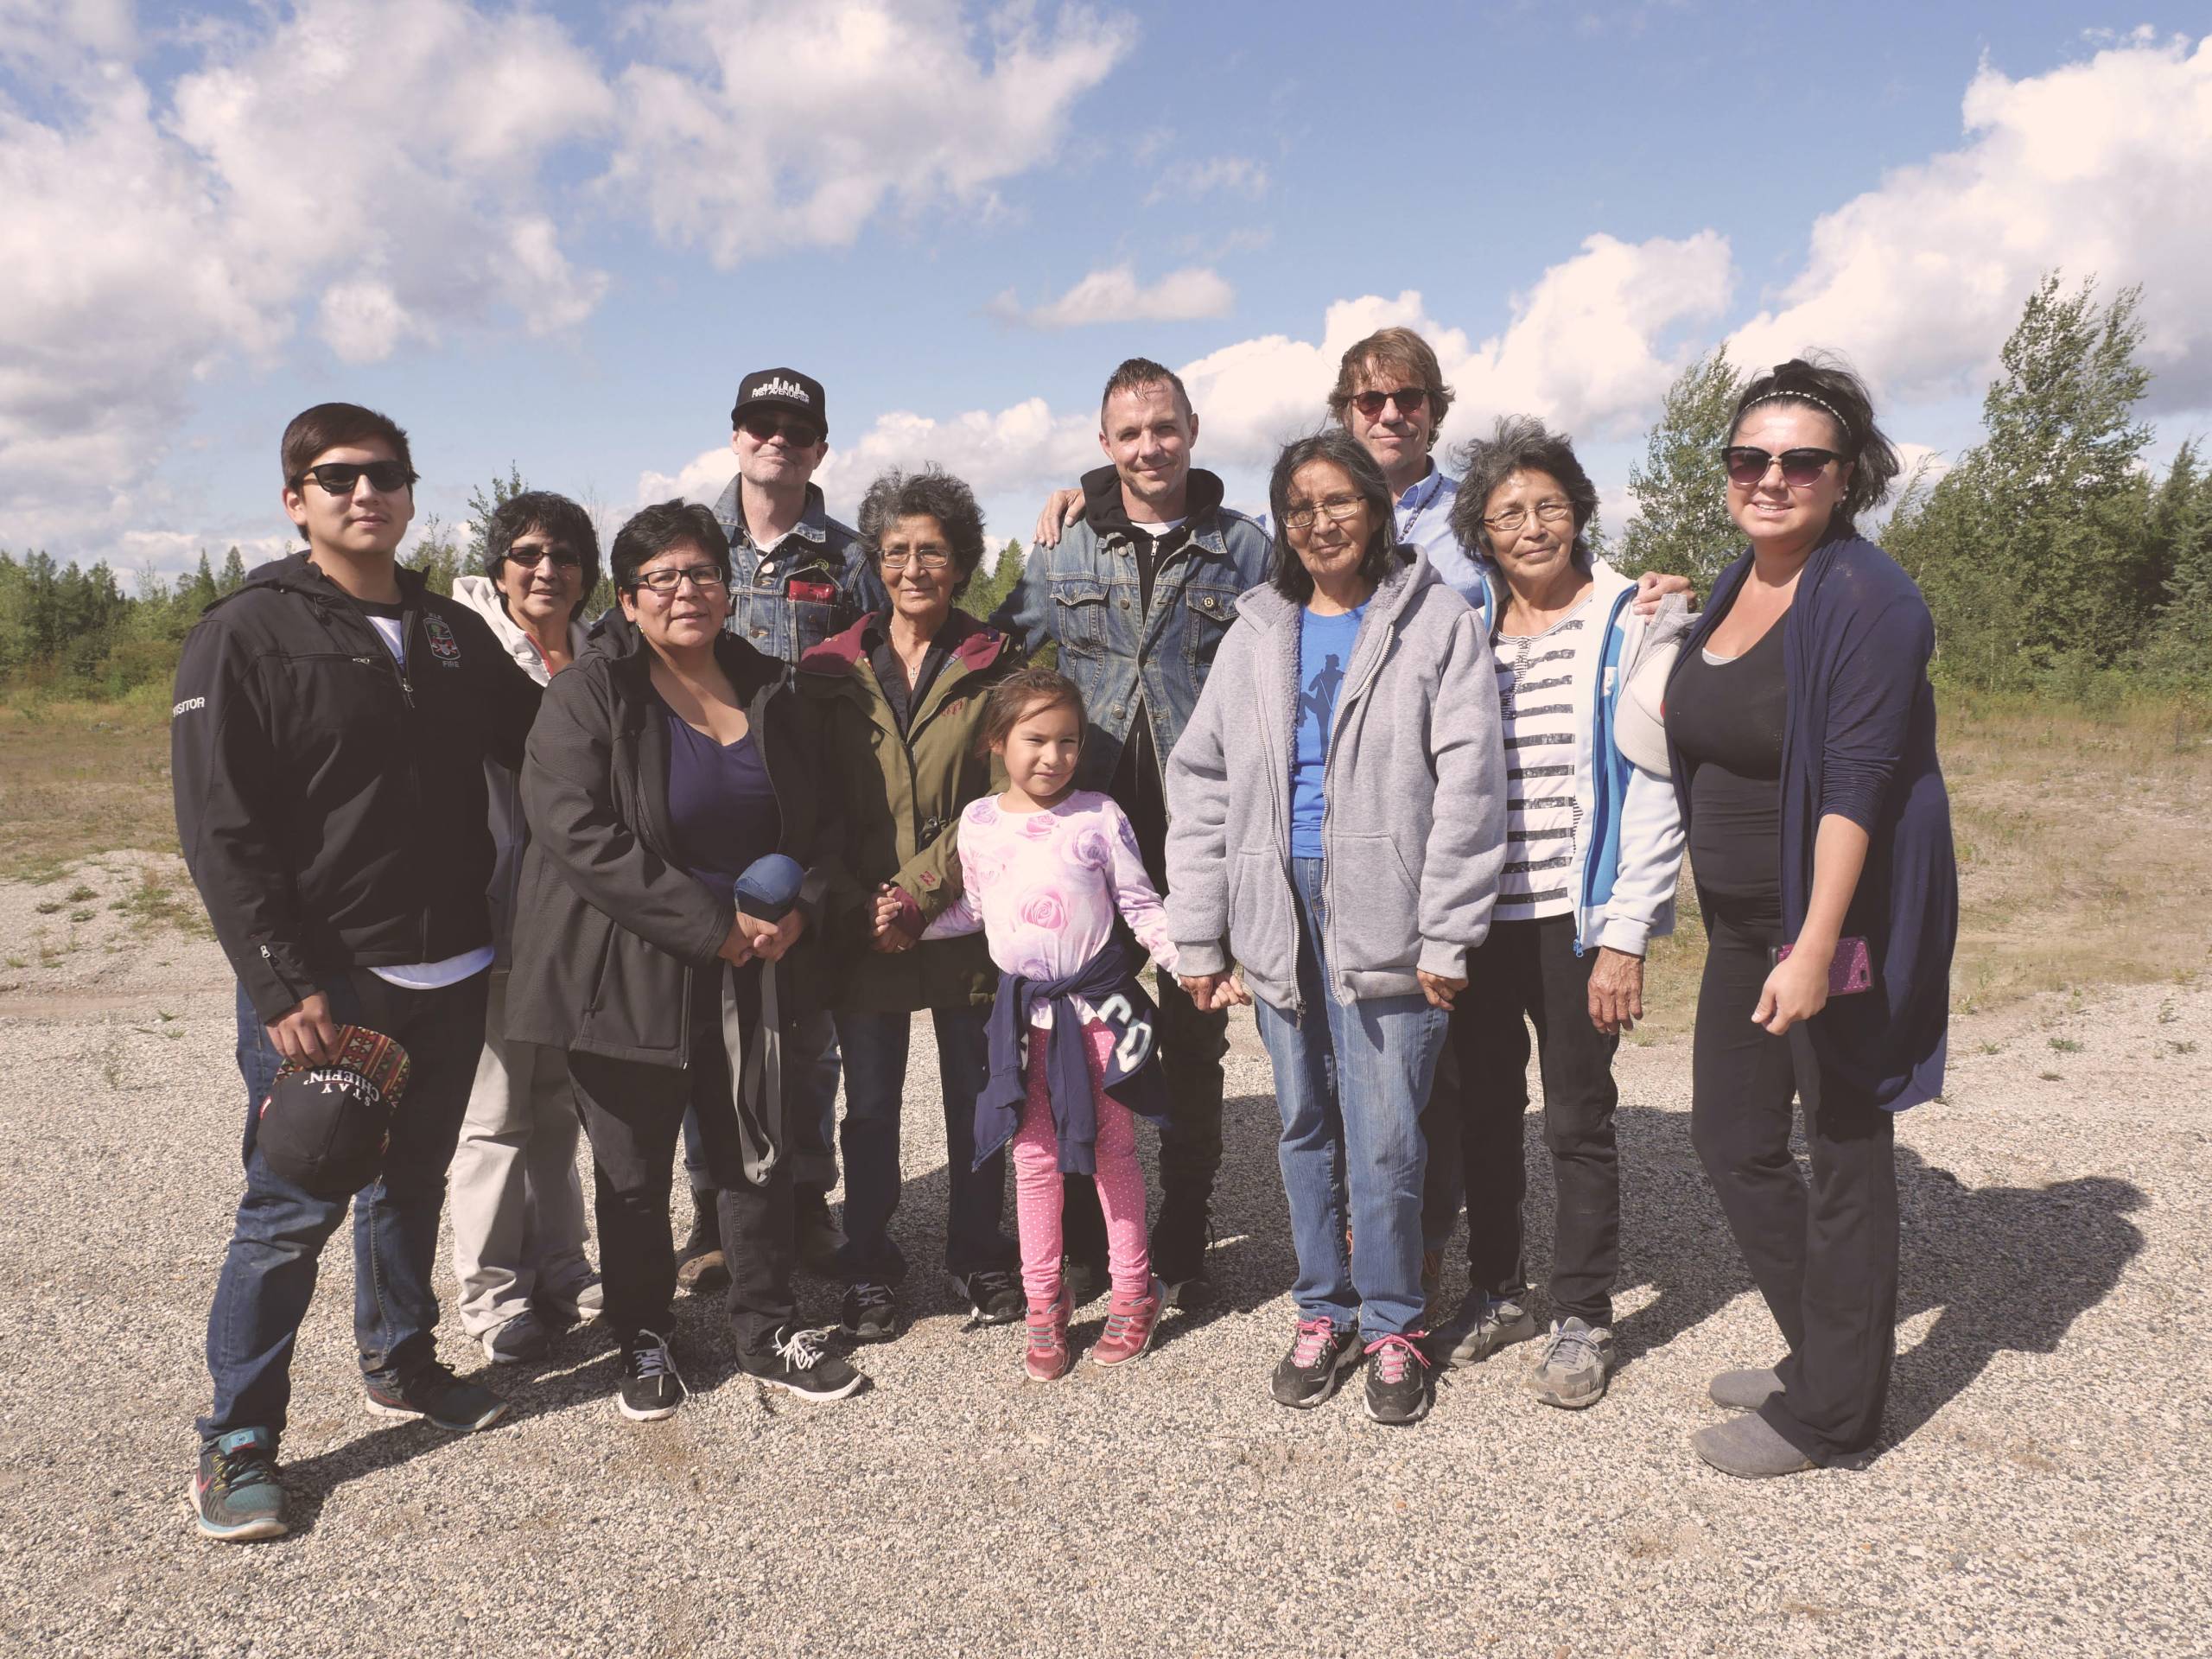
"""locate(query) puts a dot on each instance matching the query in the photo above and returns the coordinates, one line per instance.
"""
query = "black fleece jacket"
(331, 805)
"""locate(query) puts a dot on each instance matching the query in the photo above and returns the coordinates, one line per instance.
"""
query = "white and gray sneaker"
(1484, 1325)
(1577, 1362)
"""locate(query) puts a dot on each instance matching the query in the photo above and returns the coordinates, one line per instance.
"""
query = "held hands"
(886, 939)
(1212, 991)
(1616, 991)
(1437, 990)
(306, 1033)
(1795, 991)
(750, 936)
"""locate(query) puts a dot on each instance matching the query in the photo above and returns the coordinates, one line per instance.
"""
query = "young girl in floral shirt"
(1048, 871)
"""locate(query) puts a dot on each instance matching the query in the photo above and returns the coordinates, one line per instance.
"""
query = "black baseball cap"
(785, 389)
(324, 1128)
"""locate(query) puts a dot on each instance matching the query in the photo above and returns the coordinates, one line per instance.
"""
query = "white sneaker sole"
(651, 1416)
(811, 1395)
(245, 1532)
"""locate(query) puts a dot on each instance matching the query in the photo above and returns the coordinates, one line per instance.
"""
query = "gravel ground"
(2044, 1486)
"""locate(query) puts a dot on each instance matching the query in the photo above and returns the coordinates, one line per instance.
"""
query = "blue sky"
(557, 235)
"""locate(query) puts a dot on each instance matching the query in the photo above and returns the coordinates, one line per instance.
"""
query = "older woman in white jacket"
(1594, 845)
(518, 1205)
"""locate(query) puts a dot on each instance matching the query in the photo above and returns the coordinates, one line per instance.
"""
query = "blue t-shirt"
(1323, 652)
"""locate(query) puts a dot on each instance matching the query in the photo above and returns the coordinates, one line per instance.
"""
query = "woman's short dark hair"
(1519, 443)
(1819, 381)
(1024, 692)
(652, 530)
(549, 515)
(1286, 570)
(933, 494)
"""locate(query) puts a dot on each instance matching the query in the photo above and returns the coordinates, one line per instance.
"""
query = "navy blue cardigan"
(1858, 740)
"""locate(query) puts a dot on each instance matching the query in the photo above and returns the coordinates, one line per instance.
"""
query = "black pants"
(1824, 1256)
(1527, 973)
(633, 1114)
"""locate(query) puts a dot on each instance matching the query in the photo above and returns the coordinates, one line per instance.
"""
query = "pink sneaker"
(1047, 1358)
(1130, 1325)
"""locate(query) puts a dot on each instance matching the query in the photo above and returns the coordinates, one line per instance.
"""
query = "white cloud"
(143, 248)
(1114, 296)
(701, 479)
(1018, 449)
(1235, 175)
(2096, 167)
(770, 127)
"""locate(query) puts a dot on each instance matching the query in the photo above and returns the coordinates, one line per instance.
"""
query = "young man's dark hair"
(652, 530)
(550, 515)
(1141, 371)
(325, 427)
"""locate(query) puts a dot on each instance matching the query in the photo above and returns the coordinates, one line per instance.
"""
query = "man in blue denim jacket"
(1137, 596)
(797, 577)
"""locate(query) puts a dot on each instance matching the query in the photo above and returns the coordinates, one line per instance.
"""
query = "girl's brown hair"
(1025, 692)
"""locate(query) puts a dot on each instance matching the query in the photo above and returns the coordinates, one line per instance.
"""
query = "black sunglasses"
(804, 434)
(527, 557)
(339, 477)
(1747, 464)
(1409, 399)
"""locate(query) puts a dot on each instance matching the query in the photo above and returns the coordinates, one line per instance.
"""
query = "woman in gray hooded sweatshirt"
(1336, 826)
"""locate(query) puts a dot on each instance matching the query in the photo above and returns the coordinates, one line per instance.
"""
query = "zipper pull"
(406, 690)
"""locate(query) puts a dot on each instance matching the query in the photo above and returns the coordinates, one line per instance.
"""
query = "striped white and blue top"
(1537, 674)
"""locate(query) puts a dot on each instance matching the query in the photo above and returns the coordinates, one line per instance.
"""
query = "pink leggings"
(1036, 1154)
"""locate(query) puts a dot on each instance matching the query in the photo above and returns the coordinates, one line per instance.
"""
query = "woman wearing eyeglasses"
(1801, 732)
(664, 765)
(1335, 823)
(1593, 849)
(902, 694)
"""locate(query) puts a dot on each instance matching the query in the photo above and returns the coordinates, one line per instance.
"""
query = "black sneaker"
(1397, 1379)
(1320, 1357)
(797, 1362)
(993, 1296)
(432, 1392)
(652, 1388)
(1181, 1244)
(870, 1312)
(235, 1497)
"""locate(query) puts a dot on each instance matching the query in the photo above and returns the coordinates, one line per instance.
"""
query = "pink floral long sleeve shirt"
(1045, 887)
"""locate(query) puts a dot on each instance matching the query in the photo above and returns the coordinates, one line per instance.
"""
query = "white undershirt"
(423, 975)
(1537, 676)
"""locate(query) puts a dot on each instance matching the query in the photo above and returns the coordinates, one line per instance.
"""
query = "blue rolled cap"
(769, 887)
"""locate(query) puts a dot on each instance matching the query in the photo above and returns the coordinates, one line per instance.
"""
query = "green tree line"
(2051, 555)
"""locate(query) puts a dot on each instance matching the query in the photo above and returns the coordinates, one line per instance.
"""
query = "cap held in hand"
(324, 1128)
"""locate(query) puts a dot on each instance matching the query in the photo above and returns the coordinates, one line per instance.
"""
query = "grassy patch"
(158, 902)
(2080, 843)
(77, 778)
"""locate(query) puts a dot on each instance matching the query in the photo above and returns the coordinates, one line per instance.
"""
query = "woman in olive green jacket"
(904, 691)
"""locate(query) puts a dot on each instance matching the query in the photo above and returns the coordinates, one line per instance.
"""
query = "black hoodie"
(331, 806)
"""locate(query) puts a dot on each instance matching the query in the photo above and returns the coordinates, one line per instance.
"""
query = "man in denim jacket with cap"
(797, 577)
(1137, 595)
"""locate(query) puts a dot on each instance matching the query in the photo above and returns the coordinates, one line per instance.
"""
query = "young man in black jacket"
(327, 744)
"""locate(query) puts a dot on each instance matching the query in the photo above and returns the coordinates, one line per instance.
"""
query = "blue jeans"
(813, 1096)
(1350, 1080)
(269, 1272)
(875, 1079)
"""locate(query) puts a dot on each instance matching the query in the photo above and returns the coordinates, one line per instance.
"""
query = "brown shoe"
(1047, 1358)
(701, 1266)
(1130, 1322)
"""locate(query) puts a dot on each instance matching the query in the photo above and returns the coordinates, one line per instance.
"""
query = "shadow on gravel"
(2011, 1267)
